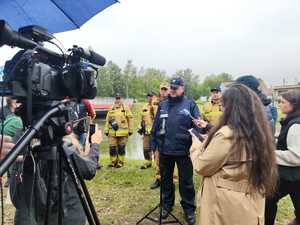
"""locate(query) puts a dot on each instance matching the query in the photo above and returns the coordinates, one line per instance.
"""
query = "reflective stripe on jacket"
(123, 116)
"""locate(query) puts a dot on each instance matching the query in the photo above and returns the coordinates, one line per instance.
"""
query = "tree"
(133, 84)
(129, 73)
(213, 81)
(191, 82)
(109, 80)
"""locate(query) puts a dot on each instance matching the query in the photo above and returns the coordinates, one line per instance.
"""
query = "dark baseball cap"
(248, 80)
(217, 89)
(175, 82)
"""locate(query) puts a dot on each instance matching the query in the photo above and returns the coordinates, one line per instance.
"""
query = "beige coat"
(223, 198)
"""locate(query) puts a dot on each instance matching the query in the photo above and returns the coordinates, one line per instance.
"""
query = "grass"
(122, 196)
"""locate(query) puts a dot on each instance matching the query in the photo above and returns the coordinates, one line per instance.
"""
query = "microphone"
(92, 56)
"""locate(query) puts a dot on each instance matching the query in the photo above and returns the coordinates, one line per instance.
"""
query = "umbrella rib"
(65, 13)
(25, 13)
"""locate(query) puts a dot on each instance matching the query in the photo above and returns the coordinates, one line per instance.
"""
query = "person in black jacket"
(288, 158)
(175, 116)
(28, 190)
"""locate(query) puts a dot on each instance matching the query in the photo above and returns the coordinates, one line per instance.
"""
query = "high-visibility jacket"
(147, 117)
(124, 118)
(155, 102)
(212, 112)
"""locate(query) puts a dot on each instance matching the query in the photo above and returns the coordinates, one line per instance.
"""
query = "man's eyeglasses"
(174, 87)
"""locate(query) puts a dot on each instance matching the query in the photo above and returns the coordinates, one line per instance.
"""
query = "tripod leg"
(160, 206)
(49, 190)
(60, 188)
(147, 215)
(75, 177)
(86, 193)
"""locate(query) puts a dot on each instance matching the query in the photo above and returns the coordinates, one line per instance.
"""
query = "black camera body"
(43, 74)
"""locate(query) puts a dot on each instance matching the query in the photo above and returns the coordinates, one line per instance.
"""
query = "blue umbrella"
(54, 15)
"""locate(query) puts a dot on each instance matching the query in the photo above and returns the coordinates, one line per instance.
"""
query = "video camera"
(49, 85)
(43, 73)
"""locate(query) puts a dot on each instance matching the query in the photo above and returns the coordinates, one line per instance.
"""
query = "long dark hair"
(293, 97)
(244, 113)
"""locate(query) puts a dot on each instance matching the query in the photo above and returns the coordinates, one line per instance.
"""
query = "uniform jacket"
(147, 117)
(224, 198)
(177, 139)
(123, 116)
(212, 112)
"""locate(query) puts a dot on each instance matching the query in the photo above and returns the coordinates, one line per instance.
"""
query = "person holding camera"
(118, 126)
(147, 118)
(237, 162)
(288, 158)
(170, 131)
(29, 191)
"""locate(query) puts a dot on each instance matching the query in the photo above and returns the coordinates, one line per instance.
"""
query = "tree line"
(134, 82)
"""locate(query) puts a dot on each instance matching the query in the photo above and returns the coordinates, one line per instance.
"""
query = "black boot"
(190, 219)
(155, 185)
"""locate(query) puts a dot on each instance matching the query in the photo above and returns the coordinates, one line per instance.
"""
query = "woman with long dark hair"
(288, 157)
(237, 162)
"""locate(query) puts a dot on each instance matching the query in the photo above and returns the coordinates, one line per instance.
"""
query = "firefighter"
(118, 126)
(147, 117)
(212, 110)
(163, 94)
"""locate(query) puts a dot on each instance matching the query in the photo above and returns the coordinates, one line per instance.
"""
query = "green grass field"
(122, 196)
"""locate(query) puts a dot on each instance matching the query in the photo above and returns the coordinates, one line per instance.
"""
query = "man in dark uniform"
(175, 116)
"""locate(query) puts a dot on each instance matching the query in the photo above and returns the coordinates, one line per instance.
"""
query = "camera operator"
(170, 130)
(29, 190)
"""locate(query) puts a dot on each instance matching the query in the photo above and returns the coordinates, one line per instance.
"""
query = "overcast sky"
(260, 37)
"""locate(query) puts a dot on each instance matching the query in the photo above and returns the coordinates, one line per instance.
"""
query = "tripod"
(59, 114)
(159, 206)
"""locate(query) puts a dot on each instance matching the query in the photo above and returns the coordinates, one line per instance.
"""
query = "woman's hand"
(97, 136)
(200, 123)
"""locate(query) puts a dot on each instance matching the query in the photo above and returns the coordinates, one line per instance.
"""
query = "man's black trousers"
(186, 185)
